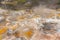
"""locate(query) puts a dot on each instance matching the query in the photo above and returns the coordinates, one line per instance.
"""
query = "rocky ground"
(39, 23)
(29, 25)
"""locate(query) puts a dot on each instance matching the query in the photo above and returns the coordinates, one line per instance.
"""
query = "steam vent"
(29, 19)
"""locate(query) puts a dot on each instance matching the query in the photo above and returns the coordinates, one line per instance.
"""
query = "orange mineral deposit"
(28, 34)
(3, 30)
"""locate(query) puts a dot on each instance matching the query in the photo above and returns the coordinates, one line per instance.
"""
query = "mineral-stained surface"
(38, 23)
(29, 25)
